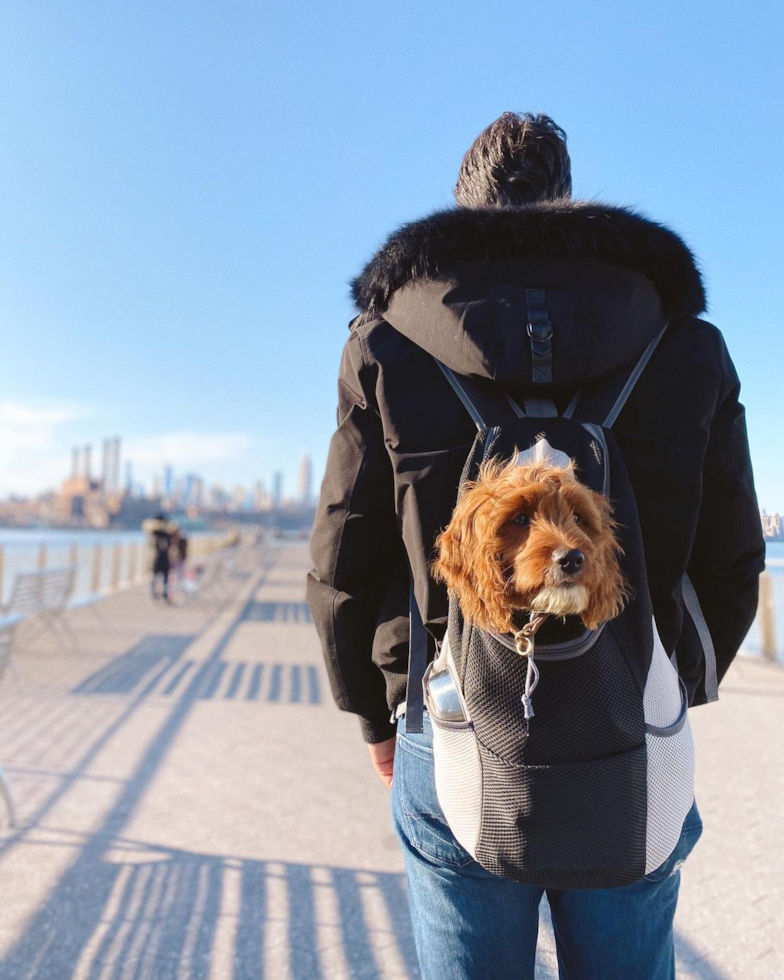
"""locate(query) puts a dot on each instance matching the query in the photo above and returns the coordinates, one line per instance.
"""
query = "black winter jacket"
(453, 286)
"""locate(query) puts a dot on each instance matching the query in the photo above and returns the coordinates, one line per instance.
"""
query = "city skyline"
(93, 494)
(99, 492)
(37, 445)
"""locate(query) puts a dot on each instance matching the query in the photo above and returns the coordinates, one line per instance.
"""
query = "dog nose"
(569, 561)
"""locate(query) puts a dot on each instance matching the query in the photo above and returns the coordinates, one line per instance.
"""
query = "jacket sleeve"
(728, 552)
(354, 547)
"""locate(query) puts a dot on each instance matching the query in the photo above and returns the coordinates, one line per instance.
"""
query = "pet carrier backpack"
(591, 791)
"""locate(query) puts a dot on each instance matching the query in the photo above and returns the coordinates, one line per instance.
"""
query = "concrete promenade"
(192, 805)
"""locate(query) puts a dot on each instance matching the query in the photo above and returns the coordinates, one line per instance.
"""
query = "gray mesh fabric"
(662, 699)
(670, 792)
(459, 780)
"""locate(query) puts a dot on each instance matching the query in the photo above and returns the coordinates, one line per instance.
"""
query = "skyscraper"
(305, 479)
(114, 475)
(277, 489)
(106, 466)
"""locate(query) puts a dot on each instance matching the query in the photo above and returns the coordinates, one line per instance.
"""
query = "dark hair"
(518, 159)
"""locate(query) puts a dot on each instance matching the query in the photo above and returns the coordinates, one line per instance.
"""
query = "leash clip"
(524, 644)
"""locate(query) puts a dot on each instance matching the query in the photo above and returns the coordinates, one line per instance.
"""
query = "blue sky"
(186, 188)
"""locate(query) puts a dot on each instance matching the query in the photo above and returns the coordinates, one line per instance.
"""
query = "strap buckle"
(539, 330)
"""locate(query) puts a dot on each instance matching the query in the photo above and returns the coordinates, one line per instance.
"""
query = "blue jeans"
(470, 924)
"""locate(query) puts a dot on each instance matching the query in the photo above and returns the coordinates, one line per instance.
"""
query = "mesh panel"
(670, 792)
(584, 708)
(568, 826)
(459, 781)
(662, 701)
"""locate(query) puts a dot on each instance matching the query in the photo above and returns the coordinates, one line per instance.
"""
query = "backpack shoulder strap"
(417, 665)
(603, 402)
(489, 405)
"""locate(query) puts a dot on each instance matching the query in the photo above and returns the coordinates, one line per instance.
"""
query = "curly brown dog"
(531, 537)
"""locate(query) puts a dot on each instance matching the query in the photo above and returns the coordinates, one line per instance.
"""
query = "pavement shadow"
(141, 912)
(123, 674)
(124, 910)
(156, 665)
(278, 612)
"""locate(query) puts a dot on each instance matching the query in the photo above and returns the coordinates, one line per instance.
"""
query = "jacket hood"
(455, 283)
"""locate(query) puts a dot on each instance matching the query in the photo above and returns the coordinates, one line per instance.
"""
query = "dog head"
(531, 537)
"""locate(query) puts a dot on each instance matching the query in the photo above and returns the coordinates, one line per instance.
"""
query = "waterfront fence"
(102, 567)
(766, 636)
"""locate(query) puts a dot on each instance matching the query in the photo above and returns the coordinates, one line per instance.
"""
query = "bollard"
(42, 558)
(116, 564)
(73, 559)
(96, 582)
(767, 622)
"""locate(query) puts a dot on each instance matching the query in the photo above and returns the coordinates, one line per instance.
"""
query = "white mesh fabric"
(670, 792)
(459, 781)
(662, 699)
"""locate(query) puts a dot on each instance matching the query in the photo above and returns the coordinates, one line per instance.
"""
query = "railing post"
(132, 562)
(96, 582)
(2, 574)
(767, 622)
(116, 560)
(42, 557)
(73, 554)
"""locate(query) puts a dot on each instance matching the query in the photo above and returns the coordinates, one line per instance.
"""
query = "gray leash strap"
(417, 665)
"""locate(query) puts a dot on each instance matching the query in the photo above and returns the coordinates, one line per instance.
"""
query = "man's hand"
(382, 755)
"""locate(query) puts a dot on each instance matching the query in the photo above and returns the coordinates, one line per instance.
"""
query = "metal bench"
(44, 596)
(8, 626)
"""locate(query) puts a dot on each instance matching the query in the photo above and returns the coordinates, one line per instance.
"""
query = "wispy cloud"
(32, 455)
(36, 439)
(187, 450)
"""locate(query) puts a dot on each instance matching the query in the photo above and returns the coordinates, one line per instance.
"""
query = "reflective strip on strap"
(692, 604)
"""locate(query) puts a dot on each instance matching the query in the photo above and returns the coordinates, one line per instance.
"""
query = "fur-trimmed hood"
(454, 282)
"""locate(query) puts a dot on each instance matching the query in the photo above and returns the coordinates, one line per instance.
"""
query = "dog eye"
(522, 520)
(577, 519)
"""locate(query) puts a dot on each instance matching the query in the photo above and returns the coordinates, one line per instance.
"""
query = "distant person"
(178, 555)
(539, 295)
(161, 533)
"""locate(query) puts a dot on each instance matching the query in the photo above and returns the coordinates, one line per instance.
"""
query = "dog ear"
(468, 563)
(609, 595)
